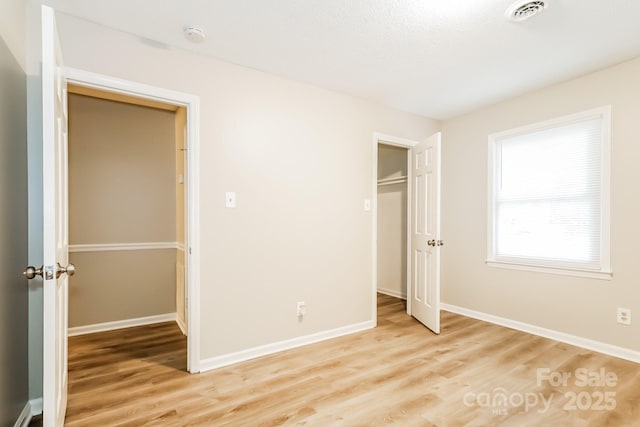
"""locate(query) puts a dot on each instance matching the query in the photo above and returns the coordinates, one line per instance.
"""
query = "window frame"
(538, 265)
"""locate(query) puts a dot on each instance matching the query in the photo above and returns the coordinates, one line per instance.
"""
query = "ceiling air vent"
(525, 9)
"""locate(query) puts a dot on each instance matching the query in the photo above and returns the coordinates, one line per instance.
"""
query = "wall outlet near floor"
(301, 309)
(624, 316)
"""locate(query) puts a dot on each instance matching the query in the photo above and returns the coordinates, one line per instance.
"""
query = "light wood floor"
(396, 374)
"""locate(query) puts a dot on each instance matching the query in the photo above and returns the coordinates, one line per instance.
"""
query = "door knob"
(431, 243)
(30, 272)
(70, 269)
(440, 243)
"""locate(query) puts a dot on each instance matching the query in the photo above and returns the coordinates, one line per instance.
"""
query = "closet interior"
(392, 220)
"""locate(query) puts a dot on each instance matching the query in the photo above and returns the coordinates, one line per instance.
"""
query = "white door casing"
(55, 224)
(424, 259)
(192, 184)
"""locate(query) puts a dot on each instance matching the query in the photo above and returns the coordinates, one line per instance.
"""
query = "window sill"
(551, 270)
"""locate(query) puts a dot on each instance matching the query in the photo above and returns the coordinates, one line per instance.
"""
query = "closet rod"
(394, 180)
(382, 183)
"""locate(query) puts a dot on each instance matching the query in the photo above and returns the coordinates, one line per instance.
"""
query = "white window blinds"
(548, 195)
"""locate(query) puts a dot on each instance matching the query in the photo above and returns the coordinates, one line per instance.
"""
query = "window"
(549, 196)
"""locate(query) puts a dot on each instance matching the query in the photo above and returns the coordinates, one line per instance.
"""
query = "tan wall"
(13, 21)
(121, 172)
(121, 190)
(580, 306)
(392, 222)
(300, 159)
(111, 286)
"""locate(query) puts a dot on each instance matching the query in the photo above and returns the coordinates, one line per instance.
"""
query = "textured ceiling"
(437, 58)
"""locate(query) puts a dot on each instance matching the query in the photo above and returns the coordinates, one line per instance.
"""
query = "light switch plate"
(367, 205)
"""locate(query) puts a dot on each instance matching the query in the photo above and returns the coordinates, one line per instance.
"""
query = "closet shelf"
(391, 181)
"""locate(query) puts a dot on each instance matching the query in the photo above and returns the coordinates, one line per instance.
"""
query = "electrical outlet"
(624, 316)
(301, 309)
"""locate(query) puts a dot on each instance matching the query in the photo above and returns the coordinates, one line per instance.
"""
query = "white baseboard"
(392, 293)
(264, 350)
(588, 344)
(181, 325)
(25, 416)
(121, 324)
(31, 408)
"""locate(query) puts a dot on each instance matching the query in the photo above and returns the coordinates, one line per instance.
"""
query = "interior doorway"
(184, 111)
(392, 221)
(386, 178)
(406, 224)
(126, 209)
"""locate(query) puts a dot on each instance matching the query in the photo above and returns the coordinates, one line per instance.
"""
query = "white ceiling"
(437, 58)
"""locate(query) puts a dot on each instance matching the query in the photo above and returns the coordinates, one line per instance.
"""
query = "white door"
(424, 176)
(55, 226)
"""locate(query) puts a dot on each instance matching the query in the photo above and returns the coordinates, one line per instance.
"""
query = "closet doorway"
(406, 225)
(176, 244)
(392, 220)
(117, 87)
(126, 211)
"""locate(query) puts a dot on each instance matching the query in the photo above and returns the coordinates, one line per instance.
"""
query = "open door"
(424, 178)
(55, 270)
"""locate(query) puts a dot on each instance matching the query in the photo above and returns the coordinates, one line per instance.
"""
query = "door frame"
(378, 139)
(192, 167)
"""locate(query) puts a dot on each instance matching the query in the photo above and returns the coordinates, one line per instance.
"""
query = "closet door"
(424, 176)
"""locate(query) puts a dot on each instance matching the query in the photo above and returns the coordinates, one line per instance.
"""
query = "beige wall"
(392, 222)
(121, 190)
(112, 286)
(579, 306)
(13, 23)
(300, 159)
(121, 172)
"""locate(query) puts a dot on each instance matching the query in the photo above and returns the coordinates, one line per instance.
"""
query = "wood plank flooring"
(396, 374)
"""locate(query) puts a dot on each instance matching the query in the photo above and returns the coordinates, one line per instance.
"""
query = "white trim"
(109, 247)
(264, 350)
(392, 140)
(181, 325)
(381, 138)
(602, 275)
(32, 408)
(121, 324)
(135, 89)
(588, 344)
(180, 246)
(392, 293)
(36, 406)
(25, 416)
(192, 242)
(604, 272)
